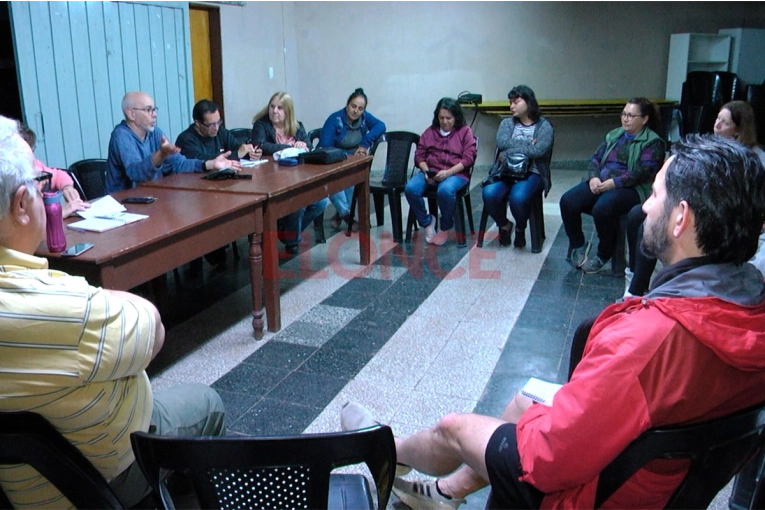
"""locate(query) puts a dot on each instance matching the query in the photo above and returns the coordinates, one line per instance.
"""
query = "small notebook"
(540, 391)
(103, 223)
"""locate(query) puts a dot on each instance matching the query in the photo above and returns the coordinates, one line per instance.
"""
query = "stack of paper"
(105, 214)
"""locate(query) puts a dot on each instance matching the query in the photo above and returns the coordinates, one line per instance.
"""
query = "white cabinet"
(695, 52)
(748, 53)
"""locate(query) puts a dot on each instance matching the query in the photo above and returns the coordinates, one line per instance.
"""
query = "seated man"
(691, 350)
(139, 151)
(77, 354)
(206, 139)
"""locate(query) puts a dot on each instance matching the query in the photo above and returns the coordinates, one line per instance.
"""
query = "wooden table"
(565, 107)
(182, 226)
(288, 189)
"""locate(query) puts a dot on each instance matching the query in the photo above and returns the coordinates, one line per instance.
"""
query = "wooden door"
(206, 54)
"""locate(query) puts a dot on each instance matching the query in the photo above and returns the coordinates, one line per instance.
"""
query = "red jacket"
(443, 152)
(648, 362)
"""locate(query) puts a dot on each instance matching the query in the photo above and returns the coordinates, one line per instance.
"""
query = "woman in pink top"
(60, 179)
(444, 155)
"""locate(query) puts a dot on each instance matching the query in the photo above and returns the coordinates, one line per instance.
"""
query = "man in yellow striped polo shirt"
(77, 354)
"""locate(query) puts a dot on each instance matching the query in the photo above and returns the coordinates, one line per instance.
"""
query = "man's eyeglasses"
(42, 181)
(148, 110)
(210, 125)
(629, 116)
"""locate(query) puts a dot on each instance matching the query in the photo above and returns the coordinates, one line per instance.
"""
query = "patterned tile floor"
(422, 332)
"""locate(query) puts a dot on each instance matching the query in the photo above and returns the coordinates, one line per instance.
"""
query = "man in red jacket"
(691, 350)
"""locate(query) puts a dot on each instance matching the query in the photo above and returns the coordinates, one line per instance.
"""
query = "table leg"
(271, 271)
(364, 239)
(256, 278)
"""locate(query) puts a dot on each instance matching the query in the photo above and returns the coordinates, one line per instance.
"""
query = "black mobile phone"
(76, 249)
(430, 173)
(138, 200)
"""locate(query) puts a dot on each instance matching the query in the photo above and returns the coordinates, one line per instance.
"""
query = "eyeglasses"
(210, 125)
(148, 110)
(629, 116)
(42, 181)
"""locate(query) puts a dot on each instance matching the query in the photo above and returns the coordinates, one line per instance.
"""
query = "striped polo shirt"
(76, 355)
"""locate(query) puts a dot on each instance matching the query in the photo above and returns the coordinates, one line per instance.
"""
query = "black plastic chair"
(671, 123)
(463, 204)
(28, 438)
(394, 178)
(755, 96)
(717, 449)
(241, 134)
(272, 472)
(318, 223)
(536, 218)
(90, 174)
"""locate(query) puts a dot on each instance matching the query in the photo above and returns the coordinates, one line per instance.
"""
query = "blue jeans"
(606, 210)
(342, 201)
(446, 193)
(518, 194)
(290, 226)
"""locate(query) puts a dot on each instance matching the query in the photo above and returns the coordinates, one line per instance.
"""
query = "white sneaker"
(355, 416)
(430, 230)
(423, 495)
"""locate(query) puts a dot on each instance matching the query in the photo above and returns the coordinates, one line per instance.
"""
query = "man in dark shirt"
(206, 138)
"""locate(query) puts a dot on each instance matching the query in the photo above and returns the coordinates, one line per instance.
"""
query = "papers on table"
(248, 162)
(540, 391)
(104, 206)
(103, 223)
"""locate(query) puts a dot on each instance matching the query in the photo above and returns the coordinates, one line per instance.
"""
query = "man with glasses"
(206, 138)
(77, 354)
(139, 151)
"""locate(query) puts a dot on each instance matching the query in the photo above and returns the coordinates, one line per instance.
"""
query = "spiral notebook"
(540, 391)
(104, 223)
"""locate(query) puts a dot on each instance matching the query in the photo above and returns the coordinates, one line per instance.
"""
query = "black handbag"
(515, 167)
(323, 156)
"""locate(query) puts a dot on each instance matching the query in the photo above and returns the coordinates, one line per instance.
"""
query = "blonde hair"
(742, 115)
(290, 122)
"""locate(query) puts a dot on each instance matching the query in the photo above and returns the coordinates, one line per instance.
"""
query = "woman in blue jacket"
(354, 130)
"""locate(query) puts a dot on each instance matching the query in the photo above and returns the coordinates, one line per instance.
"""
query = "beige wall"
(407, 55)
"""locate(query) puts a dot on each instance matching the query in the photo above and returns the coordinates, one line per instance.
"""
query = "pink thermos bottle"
(55, 222)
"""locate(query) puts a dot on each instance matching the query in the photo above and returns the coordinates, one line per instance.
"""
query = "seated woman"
(354, 130)
(60, 179)
(620, 176)
(275, 128)
(736, 121)
(444, 155)
(525, 133)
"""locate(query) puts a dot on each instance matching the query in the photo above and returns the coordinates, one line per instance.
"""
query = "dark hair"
(359, 92)
(27, 134)
(202, 107)
(724, 185)
(742, 115)
(447, 103)
(525, 92)
(648, 108)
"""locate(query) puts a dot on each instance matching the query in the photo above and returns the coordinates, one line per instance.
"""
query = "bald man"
(139, 151)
